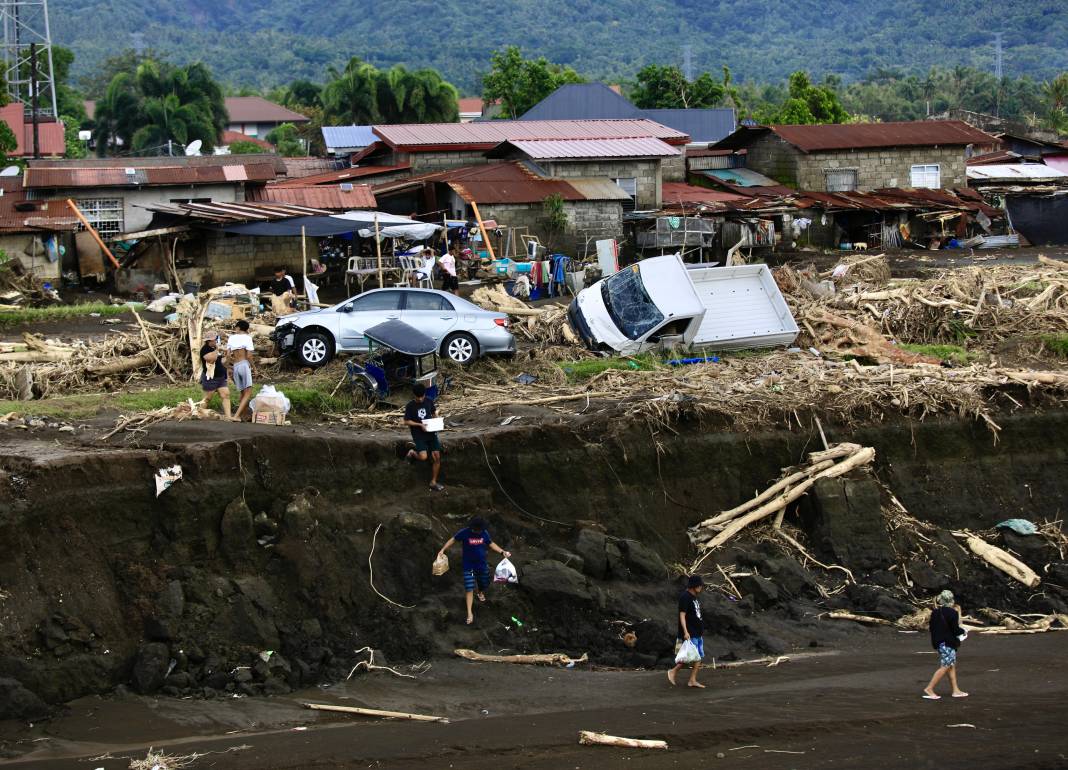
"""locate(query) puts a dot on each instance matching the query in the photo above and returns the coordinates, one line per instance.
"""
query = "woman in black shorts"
(213, 374)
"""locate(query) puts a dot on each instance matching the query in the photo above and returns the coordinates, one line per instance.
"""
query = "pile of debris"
(545, 326)
(21, 288)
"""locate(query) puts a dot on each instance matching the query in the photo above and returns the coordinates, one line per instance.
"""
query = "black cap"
(693, 581)
(477, 522)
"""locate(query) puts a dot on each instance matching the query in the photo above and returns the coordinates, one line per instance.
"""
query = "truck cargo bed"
(744, 308)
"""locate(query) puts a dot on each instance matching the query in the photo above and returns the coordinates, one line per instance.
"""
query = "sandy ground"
(823, 709)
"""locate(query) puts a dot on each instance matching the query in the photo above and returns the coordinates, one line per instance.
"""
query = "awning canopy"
(401, 337)
(362, 222)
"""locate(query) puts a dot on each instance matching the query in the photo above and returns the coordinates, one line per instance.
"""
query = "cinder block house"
(862, 156)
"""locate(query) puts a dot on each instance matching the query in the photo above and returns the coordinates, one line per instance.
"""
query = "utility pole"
(687, 62)
(34, 106)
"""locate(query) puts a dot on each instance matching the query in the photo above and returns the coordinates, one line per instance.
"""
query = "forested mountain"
(262, 43)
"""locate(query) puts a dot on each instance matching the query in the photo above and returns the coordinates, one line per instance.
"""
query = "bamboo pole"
(374, 712)
(378, 252)
(482, 227)
(93, 232)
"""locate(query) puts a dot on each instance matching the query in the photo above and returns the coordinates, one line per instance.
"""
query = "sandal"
(437, 487)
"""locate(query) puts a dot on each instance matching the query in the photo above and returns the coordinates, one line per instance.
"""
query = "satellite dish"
(10, 171)
(193, 148)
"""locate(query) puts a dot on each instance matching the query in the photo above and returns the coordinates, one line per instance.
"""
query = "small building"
(230, 137)
(513, 195)
(861, 156)
(51, 138)
(470, 108)
(587, 101)
(436, 146)
(112, 192)
(635, 165)
(36, 233)
(256, 116)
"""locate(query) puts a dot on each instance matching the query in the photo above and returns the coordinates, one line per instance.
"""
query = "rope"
(371, 579)
(510, 499)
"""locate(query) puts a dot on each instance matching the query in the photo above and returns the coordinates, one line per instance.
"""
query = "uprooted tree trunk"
(1000, 559)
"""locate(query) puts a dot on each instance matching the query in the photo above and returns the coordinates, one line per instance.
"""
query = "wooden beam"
(95, 234)
(482, 227)
(140, 234)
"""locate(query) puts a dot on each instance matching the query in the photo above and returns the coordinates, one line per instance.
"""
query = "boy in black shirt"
(691, 626)
(418, 409)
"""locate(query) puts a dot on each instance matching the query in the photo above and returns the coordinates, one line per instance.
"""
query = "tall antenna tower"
(998, 72)
(687, 62)
(25, 23)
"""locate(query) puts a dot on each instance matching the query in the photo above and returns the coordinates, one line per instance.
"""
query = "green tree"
(421, 96)
(301, 95)
(245, 147)
(664, 86)
(1055, 93)
(8, 142)
(166, 121)
(118, 114)
(809, 104)
(351, 95)
(520, 83)
(75, 147)
(286, 140)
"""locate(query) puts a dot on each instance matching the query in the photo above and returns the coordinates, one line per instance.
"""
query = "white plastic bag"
(505, 572)
(441, 565)
(688, 653)
(270, 399)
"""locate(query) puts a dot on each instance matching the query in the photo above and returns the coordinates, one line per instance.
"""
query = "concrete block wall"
(882, 167)
(436, 161)
(646, 172)
(238, 258)
(772, 157)
(606, 216)
(673, 169)
(28, 249)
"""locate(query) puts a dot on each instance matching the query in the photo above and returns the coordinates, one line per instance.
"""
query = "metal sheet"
(545, 149)
(484, 135)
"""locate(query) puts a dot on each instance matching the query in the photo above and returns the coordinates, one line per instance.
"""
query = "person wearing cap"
(946, 636)
(691, 627)
(474, 539)
(213, 373)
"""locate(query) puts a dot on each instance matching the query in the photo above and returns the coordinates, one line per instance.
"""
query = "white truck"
(663, 302)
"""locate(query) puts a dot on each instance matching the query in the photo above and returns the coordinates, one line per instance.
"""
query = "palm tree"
(351, 96)
(1056, 95)
(167, 120)
(117, 114)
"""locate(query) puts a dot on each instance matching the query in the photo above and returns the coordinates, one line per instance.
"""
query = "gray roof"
(348, 136)
(591, 101)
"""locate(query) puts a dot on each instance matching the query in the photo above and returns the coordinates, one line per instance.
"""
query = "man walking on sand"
(424, 443)
(240, 348)
(946, 635)
(691, 627)
(475, 539)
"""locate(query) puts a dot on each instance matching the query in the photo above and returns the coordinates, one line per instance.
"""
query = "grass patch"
(580, 371)
(954, 353)
(37, 315)
(1056, 344)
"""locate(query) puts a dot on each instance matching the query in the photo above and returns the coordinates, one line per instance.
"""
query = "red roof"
(134, 175)
(256, 109)
(51, 138)
(504, 183)
(546, 149)
(998, 156)
(488, 134)
(471, 105)
(680, 192)
(319, 197)
(19, 215)
(856, 136)
(229, 137)
(343, 175)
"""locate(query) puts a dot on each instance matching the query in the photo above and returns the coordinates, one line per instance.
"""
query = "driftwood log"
(547, 659)
(374, 712)
(122, 365)
(1000, 559)
(587, 738)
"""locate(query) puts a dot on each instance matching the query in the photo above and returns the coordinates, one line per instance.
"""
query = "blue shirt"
(474, 546)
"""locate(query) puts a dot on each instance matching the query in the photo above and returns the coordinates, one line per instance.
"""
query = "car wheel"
(314, 349)
(460, 348)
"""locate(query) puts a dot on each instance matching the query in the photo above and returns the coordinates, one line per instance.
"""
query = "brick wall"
(646, 172)
(238, 258)
(436, 161)
(773, 157)
(882, 167)
(673, 169)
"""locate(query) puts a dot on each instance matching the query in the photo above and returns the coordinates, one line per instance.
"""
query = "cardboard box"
(269, 418)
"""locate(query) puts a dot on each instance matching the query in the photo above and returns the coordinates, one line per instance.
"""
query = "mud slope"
(264, 545)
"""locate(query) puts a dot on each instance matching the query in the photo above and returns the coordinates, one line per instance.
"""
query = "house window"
(840, 179)
(104, 214)
(929, 176)
(629, 185)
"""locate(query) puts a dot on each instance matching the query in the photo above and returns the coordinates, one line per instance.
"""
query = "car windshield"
(629, 304)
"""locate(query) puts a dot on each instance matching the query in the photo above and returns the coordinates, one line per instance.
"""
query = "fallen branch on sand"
(369, 665)
(546, 659)
(1000, 559)
(843, 615)
(587, 738)
(374, 712)
(188, 410)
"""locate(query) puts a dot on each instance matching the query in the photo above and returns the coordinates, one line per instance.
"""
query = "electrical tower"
(27, 36)
(998, 73)
(687, 62)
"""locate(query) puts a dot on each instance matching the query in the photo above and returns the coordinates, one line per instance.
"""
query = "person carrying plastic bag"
(689, 646)
(474, 539)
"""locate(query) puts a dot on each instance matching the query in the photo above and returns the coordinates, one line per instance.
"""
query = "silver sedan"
(463, 331)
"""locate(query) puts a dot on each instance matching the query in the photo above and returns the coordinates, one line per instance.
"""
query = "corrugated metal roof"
(704, 126)
(546, 149)
(276, 161)
(19, 215)
(682, 193)
(348, 136)
(599, 188)
(470, 105)
(505, 183)
(858, 136)
(344, 175)
(1032, 172)
(256, 109)
(488, 134)
(234, 212)
(741, 177)
(321, 197)
(37, 177)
